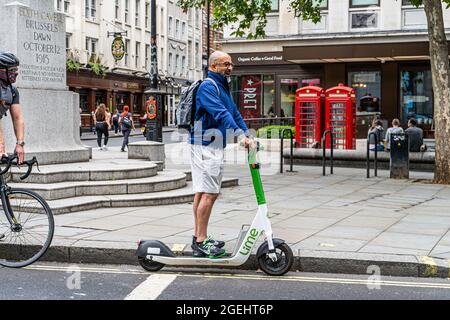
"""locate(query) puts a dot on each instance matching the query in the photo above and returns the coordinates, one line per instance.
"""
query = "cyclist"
(9, 100)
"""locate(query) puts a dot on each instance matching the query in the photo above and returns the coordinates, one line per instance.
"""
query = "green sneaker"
(209, 250)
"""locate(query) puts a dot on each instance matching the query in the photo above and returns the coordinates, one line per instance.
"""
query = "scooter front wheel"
(285, 258)
(149, 265)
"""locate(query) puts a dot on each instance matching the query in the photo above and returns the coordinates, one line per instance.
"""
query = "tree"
(241, 15)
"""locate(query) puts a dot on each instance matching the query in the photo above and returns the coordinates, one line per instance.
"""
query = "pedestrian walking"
(127, 124)
(395, 129)
(102, 124)
(115, 121)
(216, 114)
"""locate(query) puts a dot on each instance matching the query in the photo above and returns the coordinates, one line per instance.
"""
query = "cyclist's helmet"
(8, 60)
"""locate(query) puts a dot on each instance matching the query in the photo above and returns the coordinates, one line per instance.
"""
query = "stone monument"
(36, 34)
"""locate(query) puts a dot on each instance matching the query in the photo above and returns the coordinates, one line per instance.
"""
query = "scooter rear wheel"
(285, 258)
(151, 266)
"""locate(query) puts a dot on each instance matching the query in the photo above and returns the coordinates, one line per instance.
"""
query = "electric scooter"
(274, 256)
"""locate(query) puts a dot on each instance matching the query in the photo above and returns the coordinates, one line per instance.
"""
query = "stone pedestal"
(36, 34)
(148, 150)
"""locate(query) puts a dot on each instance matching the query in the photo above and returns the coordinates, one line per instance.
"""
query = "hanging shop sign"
(118, 48)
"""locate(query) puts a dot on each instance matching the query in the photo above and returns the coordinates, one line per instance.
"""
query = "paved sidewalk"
(337, 223)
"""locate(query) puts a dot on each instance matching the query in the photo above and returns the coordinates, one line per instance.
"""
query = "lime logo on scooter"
(249, 242)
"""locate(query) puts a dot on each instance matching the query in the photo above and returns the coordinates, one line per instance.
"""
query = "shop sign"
(118, 48)
(131, 85)
(268, 58)
(250, 96)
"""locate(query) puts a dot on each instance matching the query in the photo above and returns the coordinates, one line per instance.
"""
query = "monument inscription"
(42, 48)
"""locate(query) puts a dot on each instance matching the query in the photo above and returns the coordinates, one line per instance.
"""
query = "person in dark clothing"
(115, 119)
(377, 128)
(102, 124)
(415, 136)
(127, 124)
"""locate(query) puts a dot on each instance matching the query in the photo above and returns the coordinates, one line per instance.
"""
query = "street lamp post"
(208, 38)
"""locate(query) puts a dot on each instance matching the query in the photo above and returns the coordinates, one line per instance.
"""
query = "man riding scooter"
(216, 114)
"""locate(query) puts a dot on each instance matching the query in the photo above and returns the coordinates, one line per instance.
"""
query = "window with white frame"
(170, 26)
(147, 57)
(127, 11)
(68, 41)
(183, 65)
(117, 10)
(63, 5)
(198, 57)
(177, 28)
(137, 19)
(147, 15)
(161, 60)
(91, 48)
(197, 18)
(364, 3)
(183, 28)
(137, 56)
(190, 61)
(177, 64)
(127, 52)
(364, 20)
(170, 66)
(91, 9)
(275, 6)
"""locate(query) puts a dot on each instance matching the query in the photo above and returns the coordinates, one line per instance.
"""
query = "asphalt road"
(98, 282)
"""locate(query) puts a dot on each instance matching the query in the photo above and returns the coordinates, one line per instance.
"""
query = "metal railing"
(368, 155)
(292, 150)
(324, 152)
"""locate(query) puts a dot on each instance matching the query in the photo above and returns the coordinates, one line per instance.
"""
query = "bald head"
(216, 57)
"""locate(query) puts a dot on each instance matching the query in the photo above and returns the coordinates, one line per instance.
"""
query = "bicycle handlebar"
(9, 161)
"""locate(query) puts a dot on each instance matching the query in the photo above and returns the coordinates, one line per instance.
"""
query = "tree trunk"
(440, 76)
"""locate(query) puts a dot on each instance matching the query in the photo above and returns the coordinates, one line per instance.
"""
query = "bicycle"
(27, 231)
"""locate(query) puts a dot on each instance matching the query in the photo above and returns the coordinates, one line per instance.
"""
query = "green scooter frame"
(274, 256)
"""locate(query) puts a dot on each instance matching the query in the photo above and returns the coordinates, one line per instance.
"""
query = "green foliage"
(72, 64)
(97, 67)
(274, 131)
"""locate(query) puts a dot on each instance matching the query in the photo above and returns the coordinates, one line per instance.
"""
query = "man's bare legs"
(203, 204)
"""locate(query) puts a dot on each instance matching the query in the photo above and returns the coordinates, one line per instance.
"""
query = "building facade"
(377, 47)
(91, 27)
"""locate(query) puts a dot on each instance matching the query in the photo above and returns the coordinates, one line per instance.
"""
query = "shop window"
(288, 88)
(416, 97)
(367, 85)
(268, 102)
(84, 98)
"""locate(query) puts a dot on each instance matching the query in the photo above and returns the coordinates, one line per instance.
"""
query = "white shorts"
(207, 168)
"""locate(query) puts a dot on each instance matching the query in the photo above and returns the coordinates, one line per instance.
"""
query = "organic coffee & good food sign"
(258, 58)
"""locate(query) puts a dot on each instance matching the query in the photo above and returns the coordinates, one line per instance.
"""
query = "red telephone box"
(309, 112)
(341, 116)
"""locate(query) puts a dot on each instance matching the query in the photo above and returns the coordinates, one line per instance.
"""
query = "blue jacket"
(216, 113)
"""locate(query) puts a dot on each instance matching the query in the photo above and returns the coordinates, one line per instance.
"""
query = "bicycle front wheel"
(28, 238)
